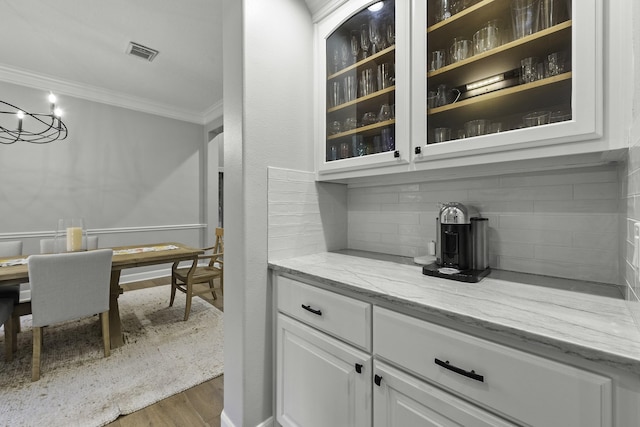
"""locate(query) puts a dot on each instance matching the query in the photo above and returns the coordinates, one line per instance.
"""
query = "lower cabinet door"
(320, 381)
(402, 400)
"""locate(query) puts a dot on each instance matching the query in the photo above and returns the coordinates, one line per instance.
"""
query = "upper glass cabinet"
(361, 106)
(499, 71)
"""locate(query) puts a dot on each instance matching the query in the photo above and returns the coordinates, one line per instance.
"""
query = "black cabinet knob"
(396, 154)
(358, 368)
(377, 379)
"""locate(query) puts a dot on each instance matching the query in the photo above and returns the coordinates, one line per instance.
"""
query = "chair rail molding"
(115, 230)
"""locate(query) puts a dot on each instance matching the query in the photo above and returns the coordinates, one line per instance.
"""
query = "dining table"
(14, 270)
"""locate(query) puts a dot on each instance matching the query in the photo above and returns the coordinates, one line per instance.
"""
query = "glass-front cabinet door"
(505, 74)
(363, 64)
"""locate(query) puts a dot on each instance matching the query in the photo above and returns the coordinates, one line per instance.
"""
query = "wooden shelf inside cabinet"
(503, 58)
(466, 22)
(506, 101)
(362, 99)
(370, 60)
(363, 130)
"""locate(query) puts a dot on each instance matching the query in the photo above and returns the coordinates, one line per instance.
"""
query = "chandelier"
(32, 127)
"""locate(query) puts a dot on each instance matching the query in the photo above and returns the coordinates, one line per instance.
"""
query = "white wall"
(267, 122)
(134, 177)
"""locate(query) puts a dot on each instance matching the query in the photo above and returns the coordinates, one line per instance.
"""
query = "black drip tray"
(470, 276)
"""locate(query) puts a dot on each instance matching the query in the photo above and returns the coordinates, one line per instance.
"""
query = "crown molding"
(214, 112)
(96, 94)
(320, 9)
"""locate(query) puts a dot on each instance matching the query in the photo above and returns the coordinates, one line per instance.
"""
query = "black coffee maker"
(455, 236)
(461, 244)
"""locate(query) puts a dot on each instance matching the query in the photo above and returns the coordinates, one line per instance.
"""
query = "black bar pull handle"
(308, 308)
(469, 374)
(358, 368)
(377, 379)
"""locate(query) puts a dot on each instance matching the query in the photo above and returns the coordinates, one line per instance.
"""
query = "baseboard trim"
(226, 422)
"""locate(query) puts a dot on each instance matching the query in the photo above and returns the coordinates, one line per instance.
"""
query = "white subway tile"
(577, 255)
(572, 222)
(603, 241)
(577, 206)
(569, 176)
(555, 192)
(518, 250)
(460, 184)
(371, 227)
(374, 198)
(592, 273)
(407, 207)
(364, 207)
(508, 206)
(515, 235)
(596, 191)
(434, 196)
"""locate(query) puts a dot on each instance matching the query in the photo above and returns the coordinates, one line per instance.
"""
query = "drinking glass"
(344, 150)
(555, 63)
(536, 118)
(529, 70)
(525, 15)
(385, 75)
(391, 32)
(376, 38)
(559, 116)
(367, 82)
(460, 49)
(345, 53)
(364, 40)
(442, 134)
(385, 113)
(355, 45)
(350, 88)
(388, 143)
(552, 12)
(438, 59)
(476, 127)
(334, 94)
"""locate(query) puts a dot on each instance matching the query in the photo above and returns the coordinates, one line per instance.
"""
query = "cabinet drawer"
(526, 388)
(343, 317)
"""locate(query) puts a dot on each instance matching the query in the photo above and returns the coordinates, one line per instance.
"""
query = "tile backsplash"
(630, 214)
(558, 223)
(304, 217)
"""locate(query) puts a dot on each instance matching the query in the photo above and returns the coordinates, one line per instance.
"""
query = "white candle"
(74, 239)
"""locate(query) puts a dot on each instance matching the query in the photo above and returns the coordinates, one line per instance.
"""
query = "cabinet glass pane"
(496, 65)
(361, 84)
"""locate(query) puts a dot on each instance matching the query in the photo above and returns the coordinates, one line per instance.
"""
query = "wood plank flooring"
(199, 406)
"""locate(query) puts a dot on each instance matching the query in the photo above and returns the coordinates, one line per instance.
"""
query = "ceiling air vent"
(140, 51)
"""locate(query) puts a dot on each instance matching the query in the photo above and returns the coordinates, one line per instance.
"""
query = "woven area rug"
(79, 387)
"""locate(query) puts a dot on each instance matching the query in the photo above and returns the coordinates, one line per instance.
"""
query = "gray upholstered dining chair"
(68, 286)
(9, 298)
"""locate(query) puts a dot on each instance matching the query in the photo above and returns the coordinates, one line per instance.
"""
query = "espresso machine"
(461, 244)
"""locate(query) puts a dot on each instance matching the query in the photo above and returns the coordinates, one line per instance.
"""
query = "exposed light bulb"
(20, 114)
(57, 112)
(376, 6)
(52, 98)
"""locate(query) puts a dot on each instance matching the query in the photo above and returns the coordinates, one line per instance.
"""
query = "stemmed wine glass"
(355, 45)
(364, 40)
(375, 36)
(344, 53)
(391, 32)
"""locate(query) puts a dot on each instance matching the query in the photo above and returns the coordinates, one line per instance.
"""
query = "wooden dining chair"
(9, 299)
(68, 286)
(183, 278)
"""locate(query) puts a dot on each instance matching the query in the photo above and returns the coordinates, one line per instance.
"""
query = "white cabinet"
(529, 389)
(400, 399)
(362, 95)
(341, 361)
(583, 107)
(320, 380)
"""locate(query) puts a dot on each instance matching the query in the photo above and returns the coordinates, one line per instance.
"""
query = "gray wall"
(134, 177)
(267, 122)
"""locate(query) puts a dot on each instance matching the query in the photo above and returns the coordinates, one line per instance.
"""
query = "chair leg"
(106, 341)
(213, 291)
(9, 339)
(187, 308)
(173, 290)
(37, 346)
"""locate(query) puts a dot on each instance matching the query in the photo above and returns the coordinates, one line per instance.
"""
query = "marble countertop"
(593, 327)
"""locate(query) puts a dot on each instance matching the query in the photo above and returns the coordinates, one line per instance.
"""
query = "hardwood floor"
(199, 406)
